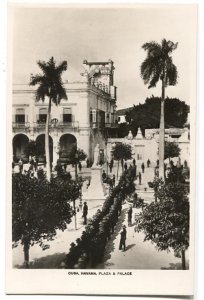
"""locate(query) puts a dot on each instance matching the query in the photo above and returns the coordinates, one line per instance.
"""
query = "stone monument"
(95, 190)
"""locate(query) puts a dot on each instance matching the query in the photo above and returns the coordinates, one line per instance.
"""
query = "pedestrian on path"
(79, 166)
(113, 180)
(130, 216)
(20, 164)
(85, 213)
(135, 200)
(143, 167)
(123, 235)
(140, 178)
(148, 163)
(111, 165)
(104, 176)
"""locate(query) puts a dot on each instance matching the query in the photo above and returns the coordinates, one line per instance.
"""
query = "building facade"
(87, 118)
(147, 148)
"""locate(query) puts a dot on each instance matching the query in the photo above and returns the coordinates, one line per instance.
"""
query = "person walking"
(104, 176)
(111, 165)
(134, 162)
(130, 216)
(113, 180)
(135, 200)
(20, 164)
(140, 178)
(87, 163)
(123, 234)
(80, 166)
(35, 163)
(148, 163)
(125, 166)
(85, 213)
(143, 167)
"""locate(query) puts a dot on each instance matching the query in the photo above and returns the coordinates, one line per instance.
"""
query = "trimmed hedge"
(88, 250)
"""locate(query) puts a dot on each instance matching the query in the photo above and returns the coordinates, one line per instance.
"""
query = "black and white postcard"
(101, 149)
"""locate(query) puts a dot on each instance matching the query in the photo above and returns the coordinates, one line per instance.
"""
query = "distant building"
(144, 148)
(85, 119)
(121, 113)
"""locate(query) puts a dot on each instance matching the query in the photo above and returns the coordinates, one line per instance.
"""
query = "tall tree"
(76, 155)
(166, 223)
(49, 85)
(40, 208)
(171, 150)
(147, 115)
(157, 66)
(121, 152)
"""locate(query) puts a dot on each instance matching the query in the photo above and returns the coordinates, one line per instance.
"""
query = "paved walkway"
(62, 240)
(139, 254)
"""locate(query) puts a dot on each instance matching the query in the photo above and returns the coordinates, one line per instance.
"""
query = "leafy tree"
(166, 222)
(49, 85)
(75, 156)
(122, 130)
(121, 152)
(158, 65)
(147, 115)
(157, 182)
(171, 150)
(39, 208)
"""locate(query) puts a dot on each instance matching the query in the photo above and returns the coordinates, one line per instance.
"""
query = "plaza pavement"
(139, 254)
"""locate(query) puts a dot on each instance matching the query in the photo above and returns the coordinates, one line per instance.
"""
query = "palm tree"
(158, 65)
(49, 85)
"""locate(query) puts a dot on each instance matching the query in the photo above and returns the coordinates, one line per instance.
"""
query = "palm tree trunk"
(47, 148)
(162, 134)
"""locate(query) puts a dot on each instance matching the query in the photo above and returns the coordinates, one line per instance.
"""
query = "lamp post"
(76, 160)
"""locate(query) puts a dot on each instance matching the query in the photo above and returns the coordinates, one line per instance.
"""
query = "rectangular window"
(42, 115)
(67, 115)
(20, 115)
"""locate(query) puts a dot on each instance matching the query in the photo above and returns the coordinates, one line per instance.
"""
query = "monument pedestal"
(95, 190)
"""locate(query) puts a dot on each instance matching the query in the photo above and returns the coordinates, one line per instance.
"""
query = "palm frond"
(37, 79)
(50, 83)
(158, 63)
(62, 67)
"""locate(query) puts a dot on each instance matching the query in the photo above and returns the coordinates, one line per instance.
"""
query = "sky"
(99, 34)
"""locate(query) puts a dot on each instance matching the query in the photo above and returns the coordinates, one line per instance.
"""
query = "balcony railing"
(103, 125)
(21, 126)
(67, 125)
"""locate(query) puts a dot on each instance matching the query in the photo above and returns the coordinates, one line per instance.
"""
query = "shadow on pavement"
(110, 245)
(129, 247)
(47, 262)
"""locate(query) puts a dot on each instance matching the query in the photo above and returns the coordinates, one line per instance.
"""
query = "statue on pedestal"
(96, 155)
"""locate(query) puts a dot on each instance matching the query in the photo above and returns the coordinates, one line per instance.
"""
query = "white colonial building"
(87, 118)
(146, 147)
